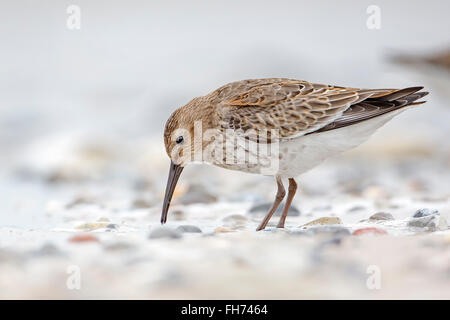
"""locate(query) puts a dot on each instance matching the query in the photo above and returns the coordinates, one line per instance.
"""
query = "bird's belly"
(301, 154)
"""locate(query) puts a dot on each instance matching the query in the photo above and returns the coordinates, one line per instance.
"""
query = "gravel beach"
(389, 222)
(83, 167)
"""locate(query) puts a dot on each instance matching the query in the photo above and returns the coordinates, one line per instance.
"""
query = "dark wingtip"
(416, 96)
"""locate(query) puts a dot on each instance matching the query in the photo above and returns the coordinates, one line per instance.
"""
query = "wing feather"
(296, 107)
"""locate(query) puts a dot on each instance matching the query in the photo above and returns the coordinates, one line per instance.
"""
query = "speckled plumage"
(297, 107)
(312, 122)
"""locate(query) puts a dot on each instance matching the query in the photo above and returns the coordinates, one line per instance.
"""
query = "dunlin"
(302, 124)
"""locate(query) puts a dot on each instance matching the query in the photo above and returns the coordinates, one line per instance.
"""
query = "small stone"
(356, 208)
(263, 208)
(334, 230)
(425, 212)
(91, 226)
(235, 221)
(163, 232)
(429, 223)
(369, 231)
(112, 226)
(80, 238)
(381, 216)
(188, 229)
(323, 221)
(223, 230)
(79, 201)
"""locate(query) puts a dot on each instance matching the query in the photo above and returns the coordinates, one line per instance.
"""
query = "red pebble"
(83, 238)
(374, 231)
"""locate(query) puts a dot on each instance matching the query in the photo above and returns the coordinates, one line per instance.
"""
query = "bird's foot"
(260, 228)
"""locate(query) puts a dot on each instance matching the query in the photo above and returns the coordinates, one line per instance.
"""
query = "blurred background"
(82, 111)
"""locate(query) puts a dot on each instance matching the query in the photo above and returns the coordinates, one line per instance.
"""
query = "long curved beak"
(174, 174)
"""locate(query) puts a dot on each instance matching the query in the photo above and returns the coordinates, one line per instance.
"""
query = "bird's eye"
(179, 140)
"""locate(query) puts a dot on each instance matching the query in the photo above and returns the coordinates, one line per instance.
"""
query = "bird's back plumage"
(297, 107)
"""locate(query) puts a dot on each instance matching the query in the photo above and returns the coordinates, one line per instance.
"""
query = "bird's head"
(183, 140)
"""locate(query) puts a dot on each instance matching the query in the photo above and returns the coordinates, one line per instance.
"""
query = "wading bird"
(307, 122)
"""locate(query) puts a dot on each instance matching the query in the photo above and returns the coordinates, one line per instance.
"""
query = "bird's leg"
(291, 193)
(279, 197)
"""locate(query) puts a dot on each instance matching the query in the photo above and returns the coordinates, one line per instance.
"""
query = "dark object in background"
(440, 60)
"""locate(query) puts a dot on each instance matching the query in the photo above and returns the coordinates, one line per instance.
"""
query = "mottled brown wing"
(376, 105)
(292, 107)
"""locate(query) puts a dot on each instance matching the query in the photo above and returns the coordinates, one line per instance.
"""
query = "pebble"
(366, 231)
(235, 221)
(425, 212)
(112, 226)
(381, 216)
(356, 208)
(334, 230)
(223, 230)
(429, 223)
(79, 238)
(163, 232)
(323, 221)
(263, 208)
(79, 201)
(188, 229)
(91, 226)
